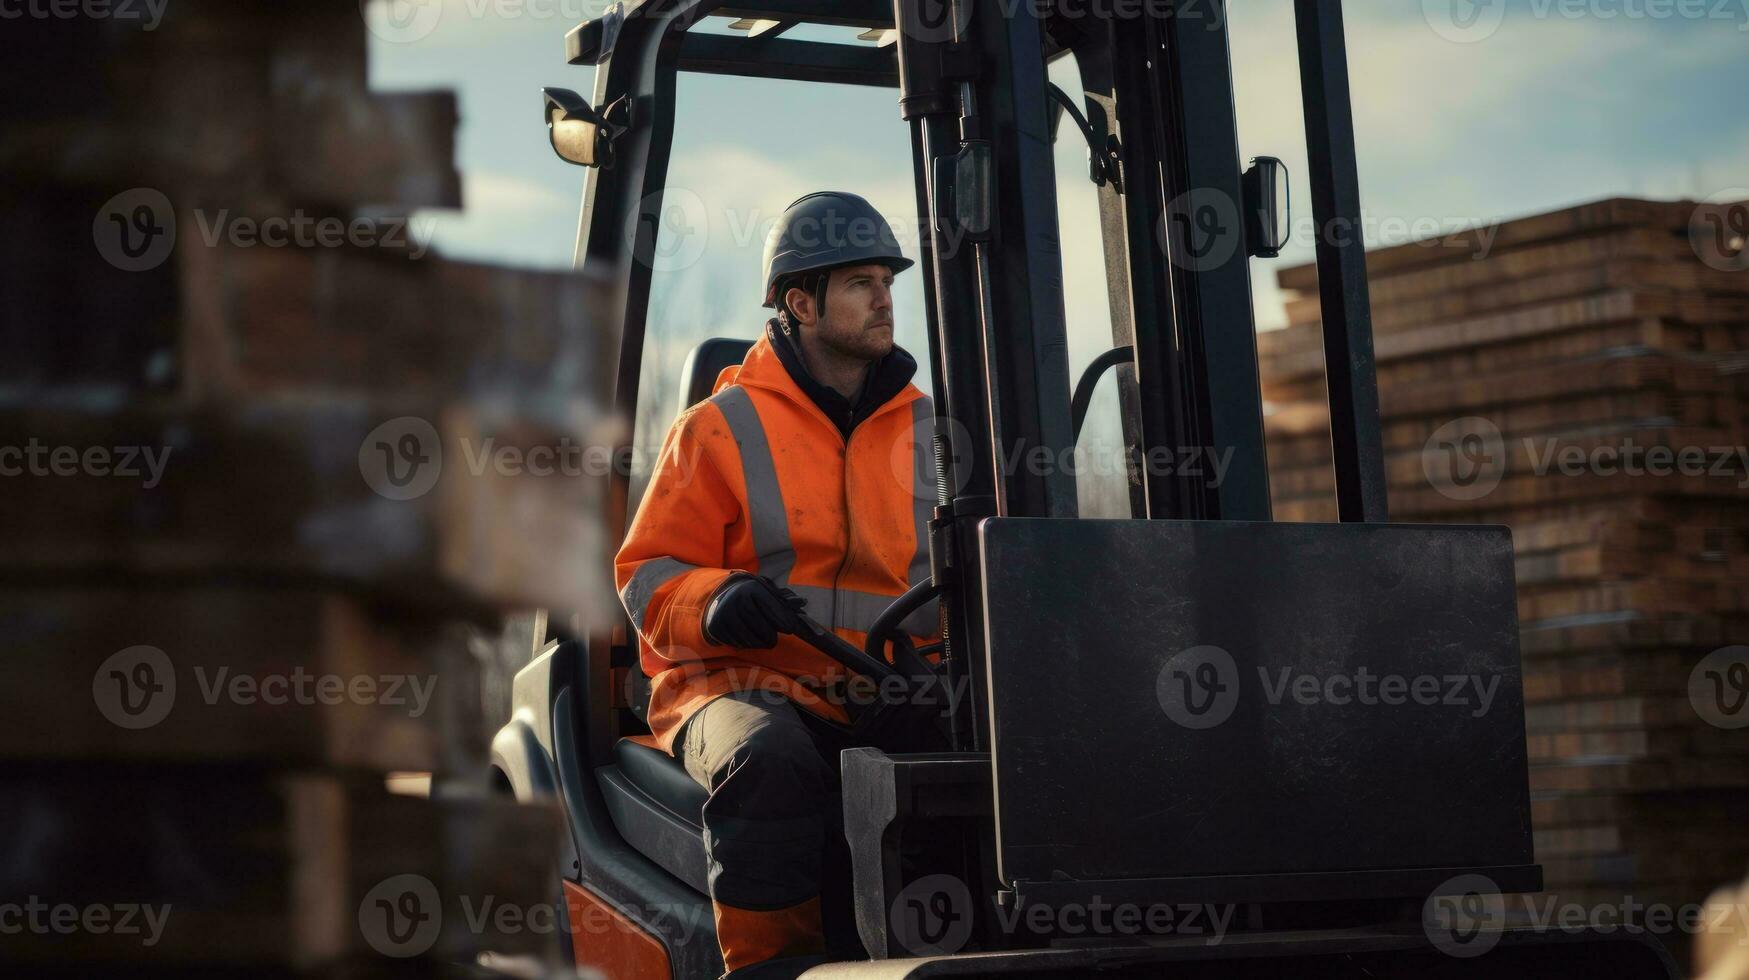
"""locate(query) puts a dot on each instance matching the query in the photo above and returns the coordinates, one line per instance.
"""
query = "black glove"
(748, 611)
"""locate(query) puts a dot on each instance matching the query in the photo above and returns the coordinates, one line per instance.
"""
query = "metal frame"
(777, 57)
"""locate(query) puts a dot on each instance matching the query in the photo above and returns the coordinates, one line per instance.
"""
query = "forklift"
(1119, 746)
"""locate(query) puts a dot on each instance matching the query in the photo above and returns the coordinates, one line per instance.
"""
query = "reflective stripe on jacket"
(757, 478)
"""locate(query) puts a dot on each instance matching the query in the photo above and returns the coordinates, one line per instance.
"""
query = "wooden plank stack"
(1540, 383)
(262, 505)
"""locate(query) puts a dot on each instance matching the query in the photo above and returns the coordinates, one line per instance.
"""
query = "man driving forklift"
(802, 485)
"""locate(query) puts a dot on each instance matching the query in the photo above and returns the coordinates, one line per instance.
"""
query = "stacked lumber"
(266, 509)
(1582, 381)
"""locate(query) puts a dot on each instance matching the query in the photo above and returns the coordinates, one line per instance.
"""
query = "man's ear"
(801, 302)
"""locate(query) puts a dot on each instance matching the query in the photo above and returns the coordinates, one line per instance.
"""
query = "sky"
(1467, 112)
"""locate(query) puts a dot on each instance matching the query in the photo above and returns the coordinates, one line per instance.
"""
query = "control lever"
(831, 644)
(917, 728)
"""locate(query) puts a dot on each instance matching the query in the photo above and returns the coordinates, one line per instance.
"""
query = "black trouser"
(774, 823)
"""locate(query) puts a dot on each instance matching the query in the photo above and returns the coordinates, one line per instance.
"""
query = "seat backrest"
(697, 376)
(706, 361)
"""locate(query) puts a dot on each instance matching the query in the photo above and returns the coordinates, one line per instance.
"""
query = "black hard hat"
(826, 229)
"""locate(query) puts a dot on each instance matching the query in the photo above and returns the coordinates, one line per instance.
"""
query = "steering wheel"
(889, 627)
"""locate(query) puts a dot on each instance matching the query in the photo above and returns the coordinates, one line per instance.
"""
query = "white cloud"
(505, 192)
(1457, 132)
(507, 218)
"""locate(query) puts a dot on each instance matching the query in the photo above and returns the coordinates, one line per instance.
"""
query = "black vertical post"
(929, 102)
(1023, 314)
(1093, 54)
(1159, 368)
(1222, 406)
(1342, 290)
(926, 260)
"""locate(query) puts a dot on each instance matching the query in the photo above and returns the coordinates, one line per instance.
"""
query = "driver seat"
(654, 804)
(706, 361)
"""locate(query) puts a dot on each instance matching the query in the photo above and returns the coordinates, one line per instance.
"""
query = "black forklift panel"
(1303, 710)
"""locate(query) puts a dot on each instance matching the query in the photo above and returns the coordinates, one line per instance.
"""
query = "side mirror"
(1267, 215)
(578, 133)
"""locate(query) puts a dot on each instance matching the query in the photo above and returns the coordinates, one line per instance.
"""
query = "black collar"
(884, 379)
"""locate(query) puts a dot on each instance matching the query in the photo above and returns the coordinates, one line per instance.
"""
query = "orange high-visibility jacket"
(757, 478)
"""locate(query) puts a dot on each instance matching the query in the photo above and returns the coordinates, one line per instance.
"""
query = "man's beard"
(862, 344)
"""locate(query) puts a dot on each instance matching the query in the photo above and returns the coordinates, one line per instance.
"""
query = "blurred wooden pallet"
(1463, 270)
(283, 489)
(265, 675)
(1646, 274)
(1613, 370)
(1560, 331)
(1611, 213)
(218, 660)
(288, 871)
